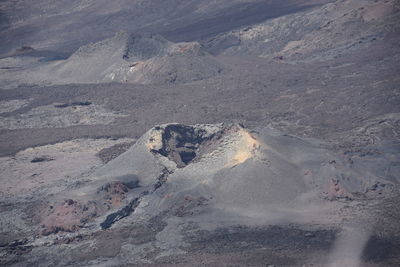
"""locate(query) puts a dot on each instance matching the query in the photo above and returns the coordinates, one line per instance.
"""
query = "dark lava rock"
(41, 159)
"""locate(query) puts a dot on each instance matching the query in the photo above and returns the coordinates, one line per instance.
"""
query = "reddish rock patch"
(68, 216)
(71, 215)
(336, 190)
(113, 193)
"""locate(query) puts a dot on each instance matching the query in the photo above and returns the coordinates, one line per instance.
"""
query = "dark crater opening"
(183, 144)
(187, 157)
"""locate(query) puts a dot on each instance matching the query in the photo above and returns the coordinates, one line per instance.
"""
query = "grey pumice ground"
(199, 133)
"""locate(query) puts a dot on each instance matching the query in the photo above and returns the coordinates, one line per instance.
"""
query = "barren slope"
(285, 149)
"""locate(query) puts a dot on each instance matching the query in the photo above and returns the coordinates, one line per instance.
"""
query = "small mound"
(145, 59)
(129, 58)
(186, 62)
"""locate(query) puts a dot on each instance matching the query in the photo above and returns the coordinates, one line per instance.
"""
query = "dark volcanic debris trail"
(131, 206)
(122, 213)
(186, 133)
